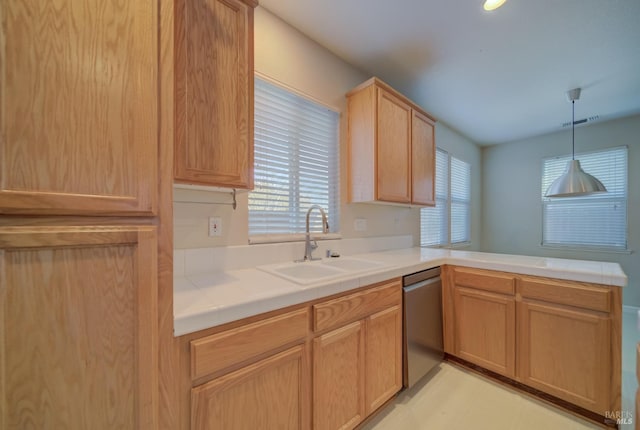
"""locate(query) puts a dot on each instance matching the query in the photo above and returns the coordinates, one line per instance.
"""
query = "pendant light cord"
(573, 131)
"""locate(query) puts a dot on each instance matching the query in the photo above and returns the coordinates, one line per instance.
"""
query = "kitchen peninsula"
(348, 324)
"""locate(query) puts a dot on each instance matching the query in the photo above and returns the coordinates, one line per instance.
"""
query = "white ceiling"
(493, 76)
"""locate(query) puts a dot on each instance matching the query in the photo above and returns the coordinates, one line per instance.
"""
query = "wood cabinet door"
(269, 394)
(485, 326)
(78, 317)
(566, 353)
(393, 150)
(214, 93)
(423, 160)
(79, 107)
(338, 378)
(383, 352)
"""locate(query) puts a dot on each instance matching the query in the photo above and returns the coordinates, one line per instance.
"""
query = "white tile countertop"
(210, 298)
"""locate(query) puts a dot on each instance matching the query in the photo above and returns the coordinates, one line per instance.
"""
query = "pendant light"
(574, 181)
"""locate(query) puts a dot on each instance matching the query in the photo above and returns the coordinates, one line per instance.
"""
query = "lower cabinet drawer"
(337, 312)
(569, 293)
(219, 351)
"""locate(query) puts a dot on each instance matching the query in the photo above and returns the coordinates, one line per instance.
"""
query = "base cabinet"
(566, 353)
(485, 329)
(383, 357)
(565, 336)
(78, 317)
(268, 394)
(339, 376)
(357, 367)
(325, 365)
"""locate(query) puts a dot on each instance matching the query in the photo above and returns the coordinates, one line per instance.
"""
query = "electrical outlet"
(215, 226)
(360, 224)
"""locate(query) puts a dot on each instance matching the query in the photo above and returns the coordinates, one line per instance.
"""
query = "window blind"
(295, 162)
(434, 222)
(449, 221)
(460, 201)
(592, 221)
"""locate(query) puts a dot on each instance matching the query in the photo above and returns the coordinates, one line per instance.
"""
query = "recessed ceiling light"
(493, 4)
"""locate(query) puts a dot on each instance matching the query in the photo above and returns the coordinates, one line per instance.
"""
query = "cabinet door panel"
(485, 329)
(79, 120)
(423, 160)
(393, 152)
(214, 93)
(269, 394)
(383, 357)
(78, 318)
(338, 378)
(565, 353)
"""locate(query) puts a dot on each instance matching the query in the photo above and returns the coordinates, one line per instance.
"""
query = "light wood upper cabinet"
(391, 147)
(78, 318)
(423, 160)
(79, 124)
(214, 93)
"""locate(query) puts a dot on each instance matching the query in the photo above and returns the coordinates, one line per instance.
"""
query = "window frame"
(448, 205)
(294, 188)
(586, 199)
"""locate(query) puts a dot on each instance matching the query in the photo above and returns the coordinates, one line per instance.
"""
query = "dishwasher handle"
(421, 284)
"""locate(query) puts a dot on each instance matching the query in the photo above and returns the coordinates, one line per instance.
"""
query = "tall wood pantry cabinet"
(85, 214)
(391, 147)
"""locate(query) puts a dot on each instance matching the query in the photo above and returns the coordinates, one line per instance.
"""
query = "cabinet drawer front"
(216, 352)
(336, 312)
(567, 293)
(484, 280)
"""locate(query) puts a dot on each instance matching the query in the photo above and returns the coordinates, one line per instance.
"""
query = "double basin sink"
(321, 270)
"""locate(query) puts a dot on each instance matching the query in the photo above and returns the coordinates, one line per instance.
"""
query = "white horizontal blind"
(434, 221)
(449, 221)
(460, 201)
(296, 162)
(592, 221)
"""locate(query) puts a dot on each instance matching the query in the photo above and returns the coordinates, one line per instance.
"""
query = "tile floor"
(451, 398)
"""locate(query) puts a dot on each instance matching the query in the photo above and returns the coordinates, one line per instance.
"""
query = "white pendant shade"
(575, 182)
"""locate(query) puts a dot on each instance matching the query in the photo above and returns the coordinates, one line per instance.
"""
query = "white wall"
(512, 209)
(284, 54)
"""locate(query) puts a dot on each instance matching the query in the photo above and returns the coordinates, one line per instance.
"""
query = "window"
(596, 221)
(449, 222)
(296, 162)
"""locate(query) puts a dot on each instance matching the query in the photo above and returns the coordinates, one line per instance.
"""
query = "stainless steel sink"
(315, 271)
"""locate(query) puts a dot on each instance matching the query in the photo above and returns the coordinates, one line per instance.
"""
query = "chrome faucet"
(308, 246)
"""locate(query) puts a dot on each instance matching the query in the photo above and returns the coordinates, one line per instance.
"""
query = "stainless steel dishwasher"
(423, 344)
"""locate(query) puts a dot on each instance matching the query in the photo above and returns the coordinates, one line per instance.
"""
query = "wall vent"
(581, 121)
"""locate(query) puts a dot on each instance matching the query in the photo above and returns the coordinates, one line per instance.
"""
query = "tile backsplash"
(217, 259)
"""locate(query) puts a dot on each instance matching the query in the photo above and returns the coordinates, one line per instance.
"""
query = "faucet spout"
(308, 246)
